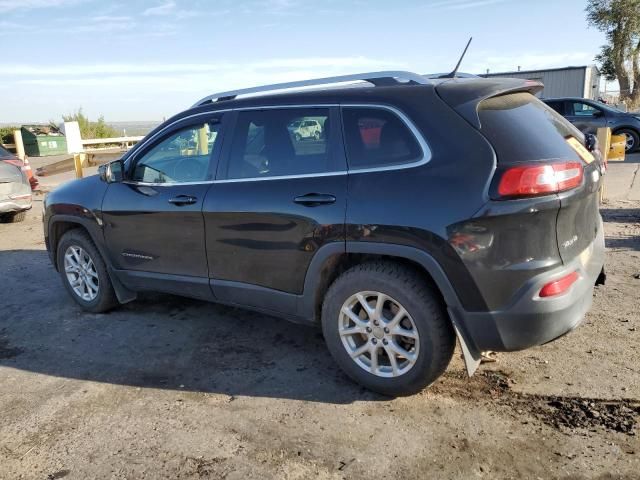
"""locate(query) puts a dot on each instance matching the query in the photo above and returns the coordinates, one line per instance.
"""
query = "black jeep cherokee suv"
(425, 209)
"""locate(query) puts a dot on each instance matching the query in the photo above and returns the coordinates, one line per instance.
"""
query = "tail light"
(33, 181)
(531, 180)
(559, 286)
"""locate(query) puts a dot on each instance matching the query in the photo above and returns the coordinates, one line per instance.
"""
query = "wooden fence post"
(17, 139)
(77, 163)
(604, 140)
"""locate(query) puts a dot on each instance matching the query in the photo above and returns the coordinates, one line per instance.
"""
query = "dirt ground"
(174, 388)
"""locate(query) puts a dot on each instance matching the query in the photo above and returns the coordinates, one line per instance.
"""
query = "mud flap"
(602, 278)
(123, 294)
(471, 355)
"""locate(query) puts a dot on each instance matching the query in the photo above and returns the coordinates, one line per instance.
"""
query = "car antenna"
(455, 70)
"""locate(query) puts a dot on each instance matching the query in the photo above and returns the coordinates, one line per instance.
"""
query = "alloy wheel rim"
(81, 273)
(630, 141)
(379, 334)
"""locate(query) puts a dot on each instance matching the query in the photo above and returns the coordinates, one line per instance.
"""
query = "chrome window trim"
(282, 177)
(424, 146)
(426, 151)
(166, 184)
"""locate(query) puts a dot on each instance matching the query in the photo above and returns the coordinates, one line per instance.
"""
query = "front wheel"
(386, 328)
(84, 273)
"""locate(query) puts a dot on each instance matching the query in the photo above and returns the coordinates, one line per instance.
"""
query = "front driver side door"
(586, 117)
(153, 223)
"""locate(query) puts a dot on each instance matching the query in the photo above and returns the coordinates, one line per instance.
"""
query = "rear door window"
(4, 153)
(376, 137)
(280, 142)
(522, 128)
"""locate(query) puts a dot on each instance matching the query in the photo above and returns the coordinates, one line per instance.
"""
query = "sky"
(146, 60)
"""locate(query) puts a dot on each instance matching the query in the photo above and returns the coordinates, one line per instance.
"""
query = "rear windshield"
(521, 128)
(5, 153)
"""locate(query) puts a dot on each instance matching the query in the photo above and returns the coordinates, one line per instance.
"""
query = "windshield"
(522, 128)
(5, 153)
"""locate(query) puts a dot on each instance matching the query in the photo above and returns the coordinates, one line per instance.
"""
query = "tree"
(6, 134)
(89, 129)
(620, 58)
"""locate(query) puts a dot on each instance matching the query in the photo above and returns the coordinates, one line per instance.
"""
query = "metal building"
(561, 82)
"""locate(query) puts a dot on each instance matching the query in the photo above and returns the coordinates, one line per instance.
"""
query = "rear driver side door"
(277, 200)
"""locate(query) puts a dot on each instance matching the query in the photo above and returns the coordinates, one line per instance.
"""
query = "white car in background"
(305, 129)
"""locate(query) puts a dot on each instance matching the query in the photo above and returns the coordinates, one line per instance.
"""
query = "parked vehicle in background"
(427, 209)
(302, 129)
(15, 192)
(7, 156)
(589, 115)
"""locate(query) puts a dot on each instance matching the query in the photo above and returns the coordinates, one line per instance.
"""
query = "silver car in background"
(15, 193)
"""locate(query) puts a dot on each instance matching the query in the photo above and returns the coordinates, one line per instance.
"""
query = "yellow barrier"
(79, 162)
(617, 149)
(604, 140)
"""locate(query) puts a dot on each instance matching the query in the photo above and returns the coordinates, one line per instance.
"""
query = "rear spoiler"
(465, 94)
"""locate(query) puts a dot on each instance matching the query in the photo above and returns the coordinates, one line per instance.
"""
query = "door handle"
(181, 200)
(315, 199)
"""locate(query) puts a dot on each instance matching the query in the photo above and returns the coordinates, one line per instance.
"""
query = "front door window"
(184, 156)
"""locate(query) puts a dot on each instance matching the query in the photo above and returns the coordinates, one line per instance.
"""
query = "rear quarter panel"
(418, 206)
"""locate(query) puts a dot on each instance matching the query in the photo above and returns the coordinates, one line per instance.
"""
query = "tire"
(316, 136)
(105, 298)
(298, 137)
(14, 217)
(403, 287)
(633, 139)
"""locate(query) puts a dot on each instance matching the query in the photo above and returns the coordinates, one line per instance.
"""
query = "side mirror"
(598, 114)
(111, 172)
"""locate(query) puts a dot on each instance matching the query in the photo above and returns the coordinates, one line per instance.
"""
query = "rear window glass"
(281, 142)
(521, 128)
(377, 138)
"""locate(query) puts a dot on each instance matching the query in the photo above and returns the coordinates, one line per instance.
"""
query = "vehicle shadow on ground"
(160, 341)
(629, 158)
(620, 215)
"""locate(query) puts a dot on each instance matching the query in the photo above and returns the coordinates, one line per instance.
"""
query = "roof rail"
(384, 78)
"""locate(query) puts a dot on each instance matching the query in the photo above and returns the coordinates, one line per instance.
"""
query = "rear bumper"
(10, 206)
(531, 320)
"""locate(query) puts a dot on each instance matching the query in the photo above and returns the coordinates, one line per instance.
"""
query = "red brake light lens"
(529, 180)
(560, 286)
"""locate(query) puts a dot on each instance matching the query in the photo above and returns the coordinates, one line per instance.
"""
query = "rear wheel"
(632, 139)
(386, 328)
(84, 273)
(14, 217)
